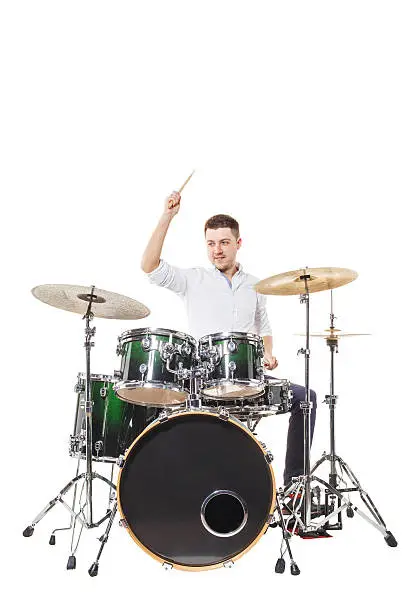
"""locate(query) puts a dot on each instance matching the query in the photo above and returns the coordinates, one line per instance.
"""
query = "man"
(223, 299)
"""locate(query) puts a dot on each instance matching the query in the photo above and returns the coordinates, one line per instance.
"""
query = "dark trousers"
(295, 444)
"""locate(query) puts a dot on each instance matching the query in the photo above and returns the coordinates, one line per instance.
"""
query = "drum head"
(149, 394)
(196, 491)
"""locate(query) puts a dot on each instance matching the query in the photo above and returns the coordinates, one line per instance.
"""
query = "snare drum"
(155, 366)
(115, 423)
(234, 365)
(275, 399)
(196, 491)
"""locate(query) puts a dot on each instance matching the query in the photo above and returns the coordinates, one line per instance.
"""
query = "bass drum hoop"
(191, 568)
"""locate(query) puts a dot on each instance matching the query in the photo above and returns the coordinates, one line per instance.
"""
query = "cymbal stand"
(87, 520)
(335, 500)
(300, 490)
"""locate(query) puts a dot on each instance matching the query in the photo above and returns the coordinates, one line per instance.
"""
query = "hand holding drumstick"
(172, 203)
(152, 252)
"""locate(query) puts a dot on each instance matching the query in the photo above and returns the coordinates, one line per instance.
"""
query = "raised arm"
(151, 256)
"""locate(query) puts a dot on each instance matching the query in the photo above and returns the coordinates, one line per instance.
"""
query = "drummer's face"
(222, 247)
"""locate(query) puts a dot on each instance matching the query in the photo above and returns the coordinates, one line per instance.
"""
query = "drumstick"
(183, 185)
(185, 182)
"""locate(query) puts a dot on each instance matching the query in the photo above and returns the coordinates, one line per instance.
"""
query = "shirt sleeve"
(169, 277)
(261, 317)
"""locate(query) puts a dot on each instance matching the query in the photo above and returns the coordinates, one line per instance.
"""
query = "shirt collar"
(239, 270)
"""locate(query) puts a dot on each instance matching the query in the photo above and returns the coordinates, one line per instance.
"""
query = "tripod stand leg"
(380, 524)
(52, 537)
(28, 531)
(280, 564)
(93, 570)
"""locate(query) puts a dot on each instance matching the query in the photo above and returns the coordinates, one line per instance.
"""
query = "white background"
(294, 116)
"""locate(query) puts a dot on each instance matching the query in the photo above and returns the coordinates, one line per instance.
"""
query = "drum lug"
(268, 457)
(167, 351)
(117, 374)
(119, 348)
(74, 445)
(123, 523)
(120, 461)
(80, 386)
(232, 346)
(167, 566)
(228, 564)
(103, 392)
(164, 416)
(223, 414)
(146, 343)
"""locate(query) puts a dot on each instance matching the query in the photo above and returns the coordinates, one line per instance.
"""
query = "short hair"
(218, 221)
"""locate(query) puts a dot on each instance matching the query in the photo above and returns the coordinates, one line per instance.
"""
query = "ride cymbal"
(305, 280)
(105, 304)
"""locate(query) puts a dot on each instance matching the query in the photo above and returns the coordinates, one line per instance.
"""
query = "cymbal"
(293, 282)
(332, 333)
(105, 304)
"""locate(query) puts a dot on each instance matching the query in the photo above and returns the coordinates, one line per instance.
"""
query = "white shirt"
(213, 303)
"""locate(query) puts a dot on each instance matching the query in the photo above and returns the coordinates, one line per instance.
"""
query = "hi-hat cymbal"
(332, 333)
(105, 304)
(305, 280)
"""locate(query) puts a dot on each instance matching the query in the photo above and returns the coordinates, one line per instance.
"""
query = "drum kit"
(196, 488)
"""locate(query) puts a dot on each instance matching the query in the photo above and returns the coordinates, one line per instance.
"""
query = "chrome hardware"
(79, 387)
(164, 416)
(117, 374)
(119, 348)
(120, 461)
(232, 346)
(269, 457)
(185, 350)
(167, 566)
(74, 445)
(167, 351)
(123, 523)
(232, 366)
(98, 446)
(142, 368)
(183, 373)
(228, 564)
(223, 414)
(146, 343)
(103, 392)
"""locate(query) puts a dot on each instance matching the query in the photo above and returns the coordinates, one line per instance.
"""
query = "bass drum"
(196, 491)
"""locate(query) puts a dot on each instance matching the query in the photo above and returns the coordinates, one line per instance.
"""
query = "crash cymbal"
(294, 282)
(105, 304)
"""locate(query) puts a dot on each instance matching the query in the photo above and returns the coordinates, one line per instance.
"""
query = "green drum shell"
(115, 423)
(248, 374)
(145, 378)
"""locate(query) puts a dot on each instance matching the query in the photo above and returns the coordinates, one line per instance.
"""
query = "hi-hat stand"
(335, 500)
(300, 491)
(85, 513)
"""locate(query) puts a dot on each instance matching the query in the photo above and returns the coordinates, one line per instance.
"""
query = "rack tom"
(155, 366)
(233, 363)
